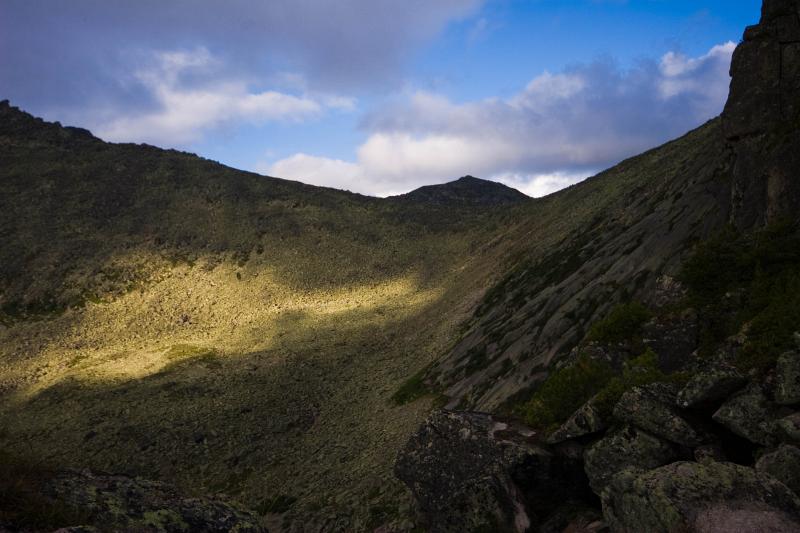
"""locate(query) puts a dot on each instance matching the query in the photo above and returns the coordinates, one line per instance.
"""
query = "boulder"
(652, 408)
(784, 465)
(790, 427)
(710, 385)
(120, 503)
(469, 471)
(585, 421)
(626, 447)
(749, 414)
(700, 498)
(787, 379)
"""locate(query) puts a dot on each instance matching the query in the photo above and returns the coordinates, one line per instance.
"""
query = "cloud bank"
(558, 129)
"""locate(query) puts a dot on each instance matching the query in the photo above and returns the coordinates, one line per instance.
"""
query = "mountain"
(168, 317)
(464, 191)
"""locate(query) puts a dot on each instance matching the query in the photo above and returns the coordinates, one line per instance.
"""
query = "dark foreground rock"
(701, 498)
(469, 471)
(119, 503)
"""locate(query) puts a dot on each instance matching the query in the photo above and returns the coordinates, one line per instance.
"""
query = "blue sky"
(379, 96)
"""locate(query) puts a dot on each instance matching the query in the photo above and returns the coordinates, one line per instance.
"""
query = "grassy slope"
(222, 330)
(238, 333)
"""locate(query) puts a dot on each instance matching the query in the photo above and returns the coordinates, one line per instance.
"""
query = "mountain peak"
(467, 190)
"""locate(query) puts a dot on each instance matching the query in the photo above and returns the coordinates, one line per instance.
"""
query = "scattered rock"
(700, 497)
(584, 421)
(709, 452)
(787, 375)
(625, 448)
(469, 471)
(711, 385)
(749, 414)
(133, 504)
(784, 465)
(652, 408)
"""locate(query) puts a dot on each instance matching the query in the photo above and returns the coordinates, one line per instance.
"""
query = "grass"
(276, 505)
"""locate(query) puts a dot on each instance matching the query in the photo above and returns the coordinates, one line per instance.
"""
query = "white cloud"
(184, 110)
(554, 132)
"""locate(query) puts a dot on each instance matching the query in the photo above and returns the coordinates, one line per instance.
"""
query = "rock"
(711, 385)
(790, 426)
(584, 421)
(750, 415)
(652, 408)
(760, 118)
(673, 337)
(571, 518)
(469, 471)
(784, 465)
(701, 498)
(624, 448)
(787, 376)
(133, 504)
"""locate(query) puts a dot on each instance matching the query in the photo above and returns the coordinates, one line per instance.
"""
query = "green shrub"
(763, 268)
(413, 389)
(278, 504)
(564, 391)
(623, 323)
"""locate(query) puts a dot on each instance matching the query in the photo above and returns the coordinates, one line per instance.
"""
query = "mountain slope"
(464, 191)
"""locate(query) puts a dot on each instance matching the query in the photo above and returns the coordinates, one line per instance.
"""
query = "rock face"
(764, 105)
(702, 498)
(469, 471)
(121, 503)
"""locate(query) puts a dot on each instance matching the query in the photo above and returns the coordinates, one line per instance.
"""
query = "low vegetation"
(750, 281)
(622, 324)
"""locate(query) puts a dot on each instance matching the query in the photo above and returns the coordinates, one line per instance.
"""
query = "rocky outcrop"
(120, 503)
(469, 471)
(700, 497)
(762, 115)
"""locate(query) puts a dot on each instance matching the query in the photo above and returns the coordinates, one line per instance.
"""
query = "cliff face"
(761, 118)
(741, 170)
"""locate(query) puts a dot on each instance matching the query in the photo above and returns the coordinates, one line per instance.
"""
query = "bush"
(764, 269)
(564, 391)
(623, 323)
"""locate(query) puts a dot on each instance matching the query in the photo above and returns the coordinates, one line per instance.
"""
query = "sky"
(379, 96)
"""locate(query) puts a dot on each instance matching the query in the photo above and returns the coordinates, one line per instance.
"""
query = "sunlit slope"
(167, 316)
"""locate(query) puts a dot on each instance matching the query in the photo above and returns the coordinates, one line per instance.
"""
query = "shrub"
(564, 391)
(623, 323)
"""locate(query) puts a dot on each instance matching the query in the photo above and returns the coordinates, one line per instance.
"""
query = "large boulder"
(120, 503)
(749, 414)
(710, 385)
(469, 471)
(784, 465)
(700, 498)
(652, 408)
(626, 447)
(787, 379)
